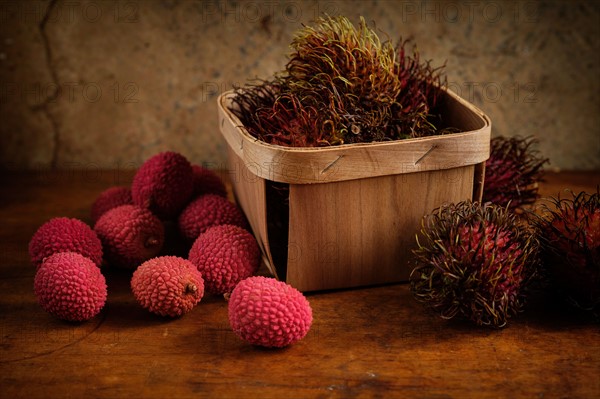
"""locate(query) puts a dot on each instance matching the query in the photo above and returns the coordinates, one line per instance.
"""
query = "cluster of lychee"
(129, 233)
(478, 261)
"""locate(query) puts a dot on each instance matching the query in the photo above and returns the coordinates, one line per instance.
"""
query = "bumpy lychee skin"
(70, 286)
(163, 184)
(225, 255)
(109, 199)
(207, 182)
(267, 312)
(207, 211)
(167, 285)
(64, 235)
(130, 235)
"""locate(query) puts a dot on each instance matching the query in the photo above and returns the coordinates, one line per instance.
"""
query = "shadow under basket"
(346, 216)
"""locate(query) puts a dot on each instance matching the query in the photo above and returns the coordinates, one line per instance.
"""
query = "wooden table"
(369, 342)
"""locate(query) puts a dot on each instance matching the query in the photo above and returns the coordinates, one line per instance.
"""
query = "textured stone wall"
(108, 84)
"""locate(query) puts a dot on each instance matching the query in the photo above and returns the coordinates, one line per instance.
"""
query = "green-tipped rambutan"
(342, 84)
(570, 238)
(474, 262)
(512, 172)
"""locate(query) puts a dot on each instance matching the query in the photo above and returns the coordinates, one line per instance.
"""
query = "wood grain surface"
(374, 342)
(361, 232)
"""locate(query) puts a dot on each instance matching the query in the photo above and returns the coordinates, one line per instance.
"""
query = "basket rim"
(315, 164)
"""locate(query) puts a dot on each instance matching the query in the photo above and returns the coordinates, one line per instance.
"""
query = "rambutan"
(512, 172)
(342, 85)
(570, 238)
(474, 262)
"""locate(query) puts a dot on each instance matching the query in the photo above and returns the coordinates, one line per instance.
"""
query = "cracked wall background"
(107, 84)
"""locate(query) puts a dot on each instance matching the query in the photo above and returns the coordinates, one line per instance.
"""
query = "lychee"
(207, 211)
(70, 286)
(570, 237)
(225, 255)
(167, 285)
(207, 182)
(130, 235)
(512, 172)
(109, 199)
(474, 262)
(163, 184)
(267, 312)
(65, 235)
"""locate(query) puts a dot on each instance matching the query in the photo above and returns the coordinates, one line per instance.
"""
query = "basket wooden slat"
(347, 247)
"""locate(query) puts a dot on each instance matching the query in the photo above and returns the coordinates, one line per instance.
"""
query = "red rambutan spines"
(343, 85)
(570, 237)
(474, 262)
(512, 172)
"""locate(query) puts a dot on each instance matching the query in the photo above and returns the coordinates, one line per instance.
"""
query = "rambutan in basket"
(346, 216)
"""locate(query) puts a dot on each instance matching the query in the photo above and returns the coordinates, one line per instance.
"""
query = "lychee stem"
(151, 242)
(190, 288)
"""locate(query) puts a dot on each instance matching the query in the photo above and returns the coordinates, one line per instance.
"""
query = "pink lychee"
(207, 211)
(207, 182)
(130, 235)
(167, 285)
(65, 235)
(267, 312)
(70, 286)
(109, 199)
(225, 255)
(163, 184)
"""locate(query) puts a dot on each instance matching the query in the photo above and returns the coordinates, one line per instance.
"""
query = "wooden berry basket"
(353, 209)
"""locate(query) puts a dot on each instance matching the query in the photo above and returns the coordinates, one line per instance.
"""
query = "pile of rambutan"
(129, 233)
(480, 261)
(343, 84)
